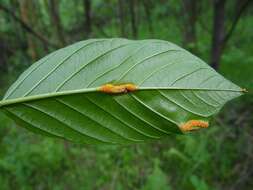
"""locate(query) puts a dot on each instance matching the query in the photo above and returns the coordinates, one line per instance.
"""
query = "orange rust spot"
(116, 89)
(193, 125)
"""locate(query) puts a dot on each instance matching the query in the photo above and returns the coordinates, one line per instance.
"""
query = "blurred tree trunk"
(56, 21)
(19, 32)
(147, 8)
(3, 53)
(190, 10)
(240, 7)
(218, 32)
(27, 9)
(87, 12)
(121, 10)
(220, 38)
(26, 26)
(132, 11)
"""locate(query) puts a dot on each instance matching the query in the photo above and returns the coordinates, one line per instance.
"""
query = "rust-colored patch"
(193, 125)
(116, 89)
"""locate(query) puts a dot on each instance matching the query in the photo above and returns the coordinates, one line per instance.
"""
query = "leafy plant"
(160, 89)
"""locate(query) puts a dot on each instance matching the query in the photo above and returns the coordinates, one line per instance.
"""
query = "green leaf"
(59, 94)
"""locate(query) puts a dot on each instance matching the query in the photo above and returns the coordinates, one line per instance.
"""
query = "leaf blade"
(173, 87)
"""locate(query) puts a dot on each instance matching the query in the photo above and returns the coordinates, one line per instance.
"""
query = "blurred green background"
(218, 31)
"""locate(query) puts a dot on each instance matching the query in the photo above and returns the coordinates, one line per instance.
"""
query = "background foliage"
(217, 158)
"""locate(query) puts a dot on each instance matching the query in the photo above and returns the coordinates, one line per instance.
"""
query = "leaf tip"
(1, 104)
(193, 125)
(244, 90)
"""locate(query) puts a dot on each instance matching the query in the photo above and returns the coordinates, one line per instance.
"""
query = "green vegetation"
(216, 158)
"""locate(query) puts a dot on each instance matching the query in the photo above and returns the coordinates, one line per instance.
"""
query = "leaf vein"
(186, 109)
(26, 76)
(185, 75)
(57, 66)
(140, 118)
(154, 111)
(118, 120)
(68, 126)
(84, 66)
(117, 66)
(78, 111)
(145, 59)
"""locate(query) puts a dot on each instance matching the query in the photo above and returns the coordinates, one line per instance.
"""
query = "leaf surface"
(59, 94)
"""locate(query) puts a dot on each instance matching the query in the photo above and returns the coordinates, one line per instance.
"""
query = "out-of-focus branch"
(87, 12)
(56, 21)
(27, 27)
(132, 12)
(236, 19)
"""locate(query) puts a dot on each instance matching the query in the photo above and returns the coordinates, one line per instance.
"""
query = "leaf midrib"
(7, 102)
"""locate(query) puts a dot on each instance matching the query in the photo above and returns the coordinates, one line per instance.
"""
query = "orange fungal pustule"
(193, 125)
(116, 89)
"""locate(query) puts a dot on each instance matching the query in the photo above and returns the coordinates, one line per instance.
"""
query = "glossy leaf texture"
(58, 95)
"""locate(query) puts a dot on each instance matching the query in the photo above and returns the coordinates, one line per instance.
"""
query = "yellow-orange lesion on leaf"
(116, 89)
(193, 125)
